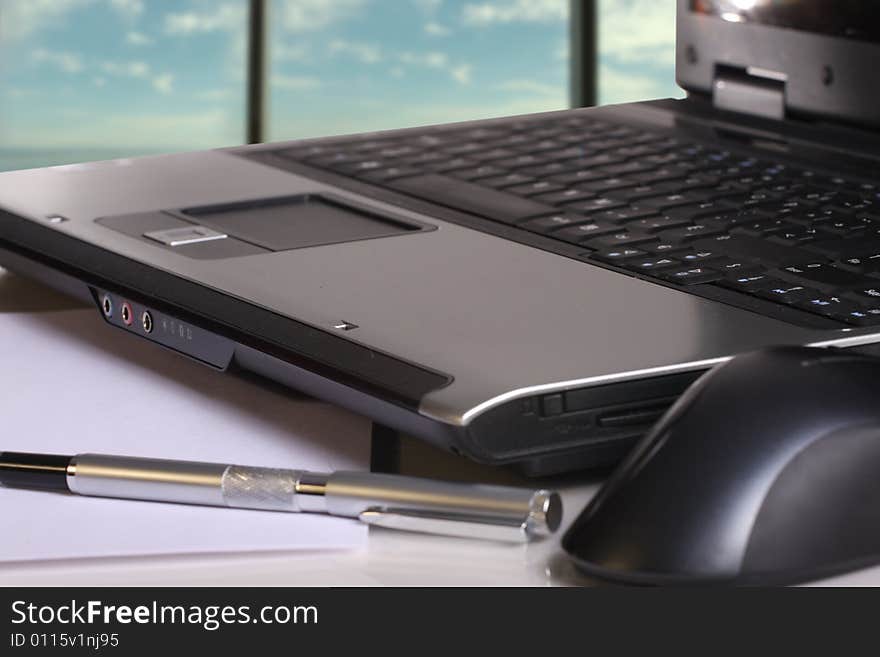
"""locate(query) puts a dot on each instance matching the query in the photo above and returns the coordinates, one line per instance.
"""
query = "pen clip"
(489, 529)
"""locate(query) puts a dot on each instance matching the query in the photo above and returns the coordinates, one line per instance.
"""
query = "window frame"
(582, 62)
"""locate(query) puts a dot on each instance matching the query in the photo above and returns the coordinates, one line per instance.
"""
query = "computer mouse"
(766, 470)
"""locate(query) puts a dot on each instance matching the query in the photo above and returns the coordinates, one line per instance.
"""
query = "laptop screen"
(852, 19)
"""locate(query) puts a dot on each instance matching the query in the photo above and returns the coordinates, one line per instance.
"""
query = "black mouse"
(767, 470)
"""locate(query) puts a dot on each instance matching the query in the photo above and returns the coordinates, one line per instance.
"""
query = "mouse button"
(655, 524)
(820, 515)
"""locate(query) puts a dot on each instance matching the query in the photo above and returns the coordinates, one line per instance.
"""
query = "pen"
(499, 513)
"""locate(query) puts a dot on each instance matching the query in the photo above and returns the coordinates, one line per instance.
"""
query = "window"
(95, 79)
(358, 65)
(636, 50)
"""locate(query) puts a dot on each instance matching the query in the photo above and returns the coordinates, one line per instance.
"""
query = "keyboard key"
(624, 215)
(577, 234)
(691, 232)
(388, 173)
(426, 158)
(673, 200)
(631, 167)
(840, 224)
(575, 177)
(826, 274)
(763, 227)
(750, 282)
(619, 239)
(636, 192)
(554, 222)
(690, 276)
(787, 294)
(466, 148)
(863, 316)
(697, 257)
(827, 305)
(470, 197)
(656, 224)
(564, 196)
(476, 173)
(618, 255)
(602, 186)
(767, 253)
(596, 205)
(666, 248)
(595, 161)
(507, 180)
(496, 155)
(533, 188)
(863, 264)
(547, 170)
(697, 211)
(453, 164)
(847, 248)
(652, 264)
(866, 294)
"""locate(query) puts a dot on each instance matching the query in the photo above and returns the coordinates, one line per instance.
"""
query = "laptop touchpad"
(300, 221)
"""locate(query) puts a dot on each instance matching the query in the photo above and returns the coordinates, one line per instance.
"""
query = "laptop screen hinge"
(754, 91)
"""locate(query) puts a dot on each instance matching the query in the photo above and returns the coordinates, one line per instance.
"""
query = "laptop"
(532, 291)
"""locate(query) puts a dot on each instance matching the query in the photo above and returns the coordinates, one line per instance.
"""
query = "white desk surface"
(391, 558)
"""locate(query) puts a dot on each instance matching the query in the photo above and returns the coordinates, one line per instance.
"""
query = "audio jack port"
(147, 321)
(107, 306)
(125, 313)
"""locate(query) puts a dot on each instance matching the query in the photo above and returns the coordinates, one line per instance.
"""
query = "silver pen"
(499, 513)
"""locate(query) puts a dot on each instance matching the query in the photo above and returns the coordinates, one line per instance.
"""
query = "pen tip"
(23, 470)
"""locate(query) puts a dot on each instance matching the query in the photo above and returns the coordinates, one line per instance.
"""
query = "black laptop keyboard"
(688, 214)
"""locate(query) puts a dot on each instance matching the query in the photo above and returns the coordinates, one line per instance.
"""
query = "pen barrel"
(192, 482)
(351, 493)
(157, 480)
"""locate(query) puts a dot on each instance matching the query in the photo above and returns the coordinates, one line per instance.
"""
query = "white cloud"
(621, 86)
(129, 8)
(67, 62)
(99, 81)
(297, 52)
(137, 39)
(294, 82)
(534, 87)
(461, 74)
(21, 18)
(222, 17)
(351, 118)
(17, 93)
(213, 95)
(137, 130)
(309, 15)
(164, 83)
(428, 6)
(366, 53)
(459, 71)
(516, 11)
(436, 29)
(133, 69)
(427, 59)
(638, 31)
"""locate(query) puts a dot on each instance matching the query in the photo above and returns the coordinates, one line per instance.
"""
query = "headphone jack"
(125, 313)
(107, 306)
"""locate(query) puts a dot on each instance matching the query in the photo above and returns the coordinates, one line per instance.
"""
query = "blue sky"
(156, 75)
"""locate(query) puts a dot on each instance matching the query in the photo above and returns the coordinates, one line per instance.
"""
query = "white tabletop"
(391, 557)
